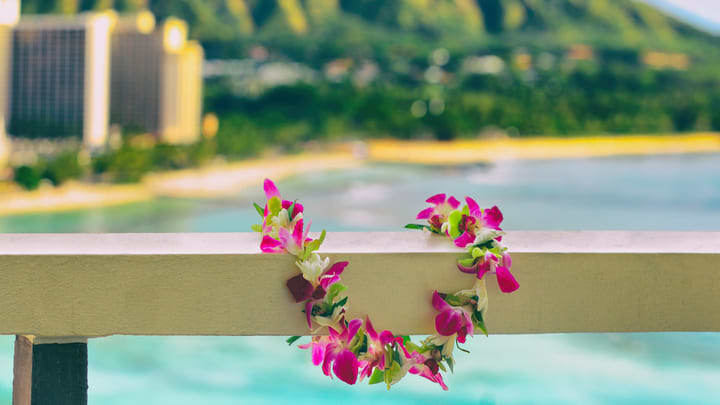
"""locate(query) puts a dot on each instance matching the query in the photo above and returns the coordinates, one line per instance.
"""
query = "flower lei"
(353, 350)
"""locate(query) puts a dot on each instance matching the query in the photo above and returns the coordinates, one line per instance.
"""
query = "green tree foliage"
(28, 177)
(63, 168)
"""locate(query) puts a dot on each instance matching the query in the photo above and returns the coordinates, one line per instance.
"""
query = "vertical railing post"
(50, 371)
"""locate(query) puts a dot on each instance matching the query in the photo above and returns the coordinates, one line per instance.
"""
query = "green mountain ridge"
(227, 27)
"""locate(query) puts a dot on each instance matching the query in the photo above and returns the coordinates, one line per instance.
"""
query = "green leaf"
(485, 245)
(292, 339)
(455, 300)
(333, 291)
(314, 245)
(450, 362)
(462, 349)
(290, 210)
(479, 322)
(256, 227)
(469, 262)
(417, 226)
(321, 239)
(454, 221)
(377, 377)
(260, 210)
(338, 304)
(391, 372)
(274, 205)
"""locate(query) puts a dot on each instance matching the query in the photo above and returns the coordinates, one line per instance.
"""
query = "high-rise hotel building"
(9, 16)
(156, 80)
(59, 82)
(77, 75)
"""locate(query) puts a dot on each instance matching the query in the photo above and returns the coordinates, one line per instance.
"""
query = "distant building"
(60, 77)
(9, 15)
(181, 85)
(76, 75)
(665, 60)
(580, 52)
(156, 78)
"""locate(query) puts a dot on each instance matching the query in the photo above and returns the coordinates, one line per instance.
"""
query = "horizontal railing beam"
(220, 284)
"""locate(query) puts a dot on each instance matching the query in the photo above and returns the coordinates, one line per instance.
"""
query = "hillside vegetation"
(442, 68)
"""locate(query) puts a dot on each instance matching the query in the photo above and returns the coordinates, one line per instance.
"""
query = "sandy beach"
(493, 150)
(231, 178)
(206, 182)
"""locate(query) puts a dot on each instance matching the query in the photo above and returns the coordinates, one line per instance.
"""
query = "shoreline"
(473, 151)
(205, 182)
(223, 180)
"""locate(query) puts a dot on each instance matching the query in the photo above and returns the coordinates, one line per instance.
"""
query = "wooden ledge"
(220, 283)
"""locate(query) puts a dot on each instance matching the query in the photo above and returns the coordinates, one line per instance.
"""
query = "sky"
(704, 13)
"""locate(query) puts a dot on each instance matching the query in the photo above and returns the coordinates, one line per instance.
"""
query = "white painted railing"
(62, 288)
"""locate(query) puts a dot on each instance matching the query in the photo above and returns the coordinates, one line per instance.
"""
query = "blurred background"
(164, 116)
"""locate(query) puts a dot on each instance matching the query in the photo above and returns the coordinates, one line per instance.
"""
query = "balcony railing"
(58, 290)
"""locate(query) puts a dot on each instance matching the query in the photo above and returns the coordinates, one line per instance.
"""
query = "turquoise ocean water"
(654, 193)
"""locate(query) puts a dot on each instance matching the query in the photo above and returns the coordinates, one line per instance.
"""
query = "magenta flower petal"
(454, 203)
(332, 275)
(464, 239)
(507, 260)
(439, 304)
(300, 288)
(386, 337)
(336, 268)
(448, 322)
(327, 281)
(493, 217)
(437, 199)
(352, 328)
(270, 245)
(305, 233)
(298, 208)
(370, 329)
(470, 270)
(270, 189)
(284, 236)
(345, 367)
(506, 281)
(329, 357)
(469, 327)
(426, 213)
(473, 207)
(484, 268)
(486, 265)
(297, 234)
(436, 378)
(318, 353)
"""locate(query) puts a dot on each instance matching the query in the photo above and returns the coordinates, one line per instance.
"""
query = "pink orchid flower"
(271, 191)
(334, 352)
(270, 222)
(429, 369)
(438, 213)
(421, 365)
(302, 289)
(375, 356)
(477, 220)
(452, 320)
(293, 243)
(489, 264)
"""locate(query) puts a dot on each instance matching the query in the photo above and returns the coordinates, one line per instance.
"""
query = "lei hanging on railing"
(353, 350)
